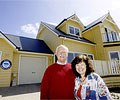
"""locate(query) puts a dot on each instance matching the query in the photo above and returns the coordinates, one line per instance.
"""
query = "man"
(58, 80)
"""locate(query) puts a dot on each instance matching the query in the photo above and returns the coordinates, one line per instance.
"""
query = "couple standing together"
(72, 81)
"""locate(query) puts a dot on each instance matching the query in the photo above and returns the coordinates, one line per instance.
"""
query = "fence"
(106, 67)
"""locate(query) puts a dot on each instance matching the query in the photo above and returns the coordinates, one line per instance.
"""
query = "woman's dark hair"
(86, 60)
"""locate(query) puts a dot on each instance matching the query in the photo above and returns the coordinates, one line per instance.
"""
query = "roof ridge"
(95, 22)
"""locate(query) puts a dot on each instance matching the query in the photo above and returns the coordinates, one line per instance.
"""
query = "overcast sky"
(23, 17)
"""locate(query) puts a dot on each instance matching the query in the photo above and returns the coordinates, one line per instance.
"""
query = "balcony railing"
(106, 67)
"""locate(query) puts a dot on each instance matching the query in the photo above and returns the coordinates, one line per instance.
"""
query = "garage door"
(31, 69)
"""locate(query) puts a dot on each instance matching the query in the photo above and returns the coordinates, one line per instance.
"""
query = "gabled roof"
(29, 44)
(62, 34)
(74, 15)
(96, 22)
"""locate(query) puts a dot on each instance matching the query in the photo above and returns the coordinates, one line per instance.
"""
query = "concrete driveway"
(21, 92)
(32, 92)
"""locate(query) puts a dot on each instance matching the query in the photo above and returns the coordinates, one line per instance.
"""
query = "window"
(71, 30)
(114, 55)
(71, 56)
(75, 31)
(111, 35)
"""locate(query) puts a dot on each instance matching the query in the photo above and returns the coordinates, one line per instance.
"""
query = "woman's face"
(81, 68)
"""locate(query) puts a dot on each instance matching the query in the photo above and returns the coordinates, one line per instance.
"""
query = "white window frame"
(0, 55)
(81, 53)
(74, 30)
(113, 52)
(110, 32)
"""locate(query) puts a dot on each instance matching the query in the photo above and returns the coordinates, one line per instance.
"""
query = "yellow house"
(99, 40)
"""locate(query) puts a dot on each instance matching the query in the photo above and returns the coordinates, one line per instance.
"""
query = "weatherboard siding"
(80, 47)
(7, 53)
(17, 59)
(51, 39)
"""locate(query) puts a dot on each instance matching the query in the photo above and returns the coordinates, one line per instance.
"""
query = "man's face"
(62, 54)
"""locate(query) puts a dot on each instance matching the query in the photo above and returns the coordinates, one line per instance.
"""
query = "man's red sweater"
(58, 82)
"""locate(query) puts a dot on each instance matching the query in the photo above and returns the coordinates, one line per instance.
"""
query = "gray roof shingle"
(96, 22)
(62, 34)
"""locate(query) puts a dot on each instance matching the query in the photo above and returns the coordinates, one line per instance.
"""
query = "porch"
(109, 71)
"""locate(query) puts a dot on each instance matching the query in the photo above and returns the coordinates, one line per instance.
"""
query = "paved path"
(22, 92)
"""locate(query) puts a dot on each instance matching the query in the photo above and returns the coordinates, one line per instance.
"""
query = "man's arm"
(45, 85)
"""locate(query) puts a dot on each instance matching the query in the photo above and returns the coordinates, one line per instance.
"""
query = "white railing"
(106, 67)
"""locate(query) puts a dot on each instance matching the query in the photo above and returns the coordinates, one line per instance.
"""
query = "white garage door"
(31, 69)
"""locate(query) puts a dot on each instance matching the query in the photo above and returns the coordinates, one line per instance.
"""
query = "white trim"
(77, 41)
(54, 58)
(7, 40)
(113, 52)
(41, 28)
(0, 55)
(110, 32)
(82, 53)
(72, 20)
(111, 21)
(19, 68)
(74, 30)
(20, 56)
(1, 37)
(34, 53)
(61, 24)
(48, 28)
(77, 22)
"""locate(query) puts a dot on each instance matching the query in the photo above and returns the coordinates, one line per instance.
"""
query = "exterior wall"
(7, 53)
(110, 26)
(51, 39)
(6, 76)
(78, 47)
(63, 28)
(110, 49)
(16, 61)
(95, 36)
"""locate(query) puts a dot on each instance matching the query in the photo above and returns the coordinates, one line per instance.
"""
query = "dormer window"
(71, 30)
(74, 30)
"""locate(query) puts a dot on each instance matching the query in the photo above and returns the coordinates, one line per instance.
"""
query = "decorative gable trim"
(49, 29)
(70, 18)
(63, 37)
(8, 40)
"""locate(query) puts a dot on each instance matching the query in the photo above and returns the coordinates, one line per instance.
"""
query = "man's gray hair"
(62, 46)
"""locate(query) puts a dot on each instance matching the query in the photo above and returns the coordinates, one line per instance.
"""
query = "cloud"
(30, 28)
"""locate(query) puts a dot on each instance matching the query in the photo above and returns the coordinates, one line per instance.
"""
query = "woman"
(88, 85)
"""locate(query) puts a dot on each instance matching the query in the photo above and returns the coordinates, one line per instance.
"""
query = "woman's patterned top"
(93, 88)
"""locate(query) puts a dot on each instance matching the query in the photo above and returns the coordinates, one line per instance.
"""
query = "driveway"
(21, 92)
(32, 92)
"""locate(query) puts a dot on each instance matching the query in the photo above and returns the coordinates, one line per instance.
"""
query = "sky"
(23, 17)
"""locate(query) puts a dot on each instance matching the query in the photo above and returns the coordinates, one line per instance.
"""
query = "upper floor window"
(74, 30)
(111, 35)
